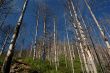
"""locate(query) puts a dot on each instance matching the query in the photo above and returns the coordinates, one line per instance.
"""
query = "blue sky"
(100, 7)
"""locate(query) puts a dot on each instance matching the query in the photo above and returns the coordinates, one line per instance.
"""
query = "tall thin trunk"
(8, 59)
(104, 55)
(35, 45)
(69, 48)
(91, 65)
(92, 44)
(79, 54)
(50, 53)
(99, 27)
(55, 48)
(65, 53)
(73, 51)
(96, 53)
(31, 49)
(4, 44)
(20, 53)
(44, 41)
(80, 44)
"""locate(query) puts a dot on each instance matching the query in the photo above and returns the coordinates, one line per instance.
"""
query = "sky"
(29, 21)
(100, 8)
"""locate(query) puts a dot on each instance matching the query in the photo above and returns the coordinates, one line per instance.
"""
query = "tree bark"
(55, 48)
(35, 45)
(8, 59)
(90, 67)
(44, 41)
(69, 48)
(99, 27)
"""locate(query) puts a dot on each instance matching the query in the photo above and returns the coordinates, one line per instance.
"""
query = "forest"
(54, 36)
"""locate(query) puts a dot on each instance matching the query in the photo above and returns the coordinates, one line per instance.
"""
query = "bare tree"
(70, 54)
(35, 46)
(87, 57)
(8, 59)
(55, 48)
(6, 32)
(99, 27)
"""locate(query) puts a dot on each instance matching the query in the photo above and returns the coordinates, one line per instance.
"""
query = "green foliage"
(1, 59)
(62, 65)
(39, 66)
(99, 68)
(77, 65)
(45, 67)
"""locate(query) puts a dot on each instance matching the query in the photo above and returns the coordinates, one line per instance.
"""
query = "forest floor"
(28, 65)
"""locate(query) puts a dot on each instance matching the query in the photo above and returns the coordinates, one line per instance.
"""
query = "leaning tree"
(8, 59)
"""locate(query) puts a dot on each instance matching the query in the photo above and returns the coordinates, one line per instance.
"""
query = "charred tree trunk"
(90, 67)
(8, 59)
(99, 27)
(101, 67)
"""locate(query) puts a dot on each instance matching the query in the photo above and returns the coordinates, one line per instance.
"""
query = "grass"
(45, 67)
(1, 59)
(62, 65)
(39, 65)
(77, 65)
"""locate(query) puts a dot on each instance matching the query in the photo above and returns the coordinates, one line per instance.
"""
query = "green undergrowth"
(1, 59)
(45, 67)
(39, 66)
(64, 65)
(77, 65)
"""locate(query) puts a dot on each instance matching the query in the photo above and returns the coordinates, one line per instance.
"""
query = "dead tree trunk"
(65, 52)
(69, 48)
(79, 54)
(44, 41)
(20, 53)
(4, 44)
(101, 67)
(101, 30)
(31, 49)
(55, 48)
(8, 59)
(88, 32)
(35, 45)
(80, 45)
(90, 67)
